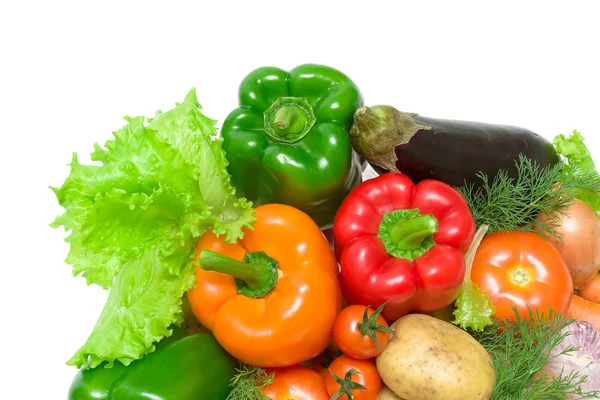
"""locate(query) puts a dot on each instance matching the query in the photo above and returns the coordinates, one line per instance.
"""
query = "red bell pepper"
(403, 243)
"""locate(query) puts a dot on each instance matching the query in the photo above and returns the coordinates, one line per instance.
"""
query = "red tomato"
(296, 382)
(522, 269)
(354, 334)
(353, 373)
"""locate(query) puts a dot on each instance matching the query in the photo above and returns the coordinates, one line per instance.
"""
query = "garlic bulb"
(585, 360)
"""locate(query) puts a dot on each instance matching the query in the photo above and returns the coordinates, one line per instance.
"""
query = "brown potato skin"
(430, 359)
(580, 247)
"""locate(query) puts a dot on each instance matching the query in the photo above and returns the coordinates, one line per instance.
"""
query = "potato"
(431, 359)
(387, 394)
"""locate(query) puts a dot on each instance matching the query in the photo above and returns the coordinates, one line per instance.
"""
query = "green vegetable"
(579, 163)
(520, 348)
(183, 367)
(474, 309)
(134, 222)
(508, 204)
(289, 140)
(248, 382)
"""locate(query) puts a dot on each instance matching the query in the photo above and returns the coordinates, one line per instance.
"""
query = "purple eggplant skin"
(451, 151)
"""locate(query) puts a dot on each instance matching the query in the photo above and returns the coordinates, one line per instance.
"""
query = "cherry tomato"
(524, 270)
(356, 377)
(361, 335)
(296, 382)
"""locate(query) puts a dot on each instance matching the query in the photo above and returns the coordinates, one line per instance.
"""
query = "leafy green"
(474, 309)
(145, 299)
(579, 167)
(507, 204)
(248, 382)
(180, 127)
(574, 150)
(520, 348)
(134, 221)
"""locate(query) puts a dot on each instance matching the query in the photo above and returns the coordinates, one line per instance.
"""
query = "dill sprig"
(507, 203)
(248, 382)
(520, 349)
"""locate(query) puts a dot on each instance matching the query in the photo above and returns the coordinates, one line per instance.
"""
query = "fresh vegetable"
(507, 204)
(288, 141)
(402, 243)
(454, 152)
(387, 394)
(183, 367)
(520, 348)
(522, 270)
(473, 307)
(578, 353)
(585, 310)
(271, 298)
(248, 383)
(296, 382)
(134, 220)
(431, 359)
(353, 379)
(361, 332)
(591, 290)
(580, 165)
(578, 241)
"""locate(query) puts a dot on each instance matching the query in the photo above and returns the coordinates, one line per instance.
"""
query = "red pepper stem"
(255, 275)
(410, 234)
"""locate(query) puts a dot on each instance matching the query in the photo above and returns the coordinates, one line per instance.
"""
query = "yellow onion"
(578, 240)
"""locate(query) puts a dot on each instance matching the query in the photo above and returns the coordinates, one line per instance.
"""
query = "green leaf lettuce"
(580, 167)
(134, 221)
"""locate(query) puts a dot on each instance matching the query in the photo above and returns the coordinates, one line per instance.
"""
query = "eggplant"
(451, 151)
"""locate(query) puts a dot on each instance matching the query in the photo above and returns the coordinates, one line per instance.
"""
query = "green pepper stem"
(410, 234)
(255, 275)
(289, 119)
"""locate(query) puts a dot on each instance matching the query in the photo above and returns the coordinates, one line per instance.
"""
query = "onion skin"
(579, 230)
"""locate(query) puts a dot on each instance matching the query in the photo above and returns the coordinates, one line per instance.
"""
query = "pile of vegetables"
(258, 263)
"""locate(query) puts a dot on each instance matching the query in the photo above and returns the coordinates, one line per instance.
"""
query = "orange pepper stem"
(255, 276)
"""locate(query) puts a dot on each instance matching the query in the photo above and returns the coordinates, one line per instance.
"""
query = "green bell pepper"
(183, 367)
(288, 141)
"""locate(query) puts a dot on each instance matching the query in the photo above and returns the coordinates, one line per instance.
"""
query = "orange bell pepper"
(271, 298)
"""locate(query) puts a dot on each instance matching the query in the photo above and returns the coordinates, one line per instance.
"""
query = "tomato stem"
(255, 276)
(346, 384)
(520, 276)
(369, 325)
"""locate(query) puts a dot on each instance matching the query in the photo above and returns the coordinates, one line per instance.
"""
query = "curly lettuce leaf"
(134, 221)
(144, 301)
(580, 167)
(112, 210)
(180, 127)
(474, 309)
(574, 150)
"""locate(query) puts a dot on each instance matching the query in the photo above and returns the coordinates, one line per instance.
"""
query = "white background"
(69, 72)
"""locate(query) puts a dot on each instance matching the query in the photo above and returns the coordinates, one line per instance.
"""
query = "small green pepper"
(288, 141)
(183, 367)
